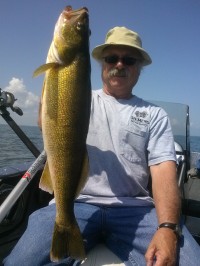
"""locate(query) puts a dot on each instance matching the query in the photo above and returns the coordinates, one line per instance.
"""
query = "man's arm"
(166, 195)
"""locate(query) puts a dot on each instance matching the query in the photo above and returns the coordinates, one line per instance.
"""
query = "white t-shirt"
(125, 137)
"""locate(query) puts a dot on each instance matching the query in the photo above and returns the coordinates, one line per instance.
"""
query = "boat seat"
(100, 255)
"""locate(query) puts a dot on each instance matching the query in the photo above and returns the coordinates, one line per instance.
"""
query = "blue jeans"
(127, 231)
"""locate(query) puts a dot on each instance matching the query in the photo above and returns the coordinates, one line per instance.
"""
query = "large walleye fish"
(65, 119)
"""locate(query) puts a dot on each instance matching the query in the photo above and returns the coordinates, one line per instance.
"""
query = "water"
(195, 144)
(13, 151)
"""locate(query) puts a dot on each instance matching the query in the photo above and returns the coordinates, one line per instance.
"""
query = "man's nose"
(120, 64)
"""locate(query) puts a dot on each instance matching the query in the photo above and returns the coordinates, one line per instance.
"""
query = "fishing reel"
(7, 99)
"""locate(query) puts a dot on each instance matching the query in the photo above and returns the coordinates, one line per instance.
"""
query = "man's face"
(120, 70)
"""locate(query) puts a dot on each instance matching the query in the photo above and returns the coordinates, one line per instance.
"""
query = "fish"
(65, 114)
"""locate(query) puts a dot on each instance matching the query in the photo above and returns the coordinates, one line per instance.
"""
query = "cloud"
(25, 99)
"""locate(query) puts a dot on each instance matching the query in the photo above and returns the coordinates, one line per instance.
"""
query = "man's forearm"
(166, 193)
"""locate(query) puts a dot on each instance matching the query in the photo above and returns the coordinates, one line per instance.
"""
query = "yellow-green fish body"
(65, 119)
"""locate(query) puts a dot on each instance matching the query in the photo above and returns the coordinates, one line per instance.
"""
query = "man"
(128, 139)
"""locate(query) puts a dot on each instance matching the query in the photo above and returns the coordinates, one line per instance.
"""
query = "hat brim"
(98, 50)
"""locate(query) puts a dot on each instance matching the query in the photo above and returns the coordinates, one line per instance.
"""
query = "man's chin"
(117, 82)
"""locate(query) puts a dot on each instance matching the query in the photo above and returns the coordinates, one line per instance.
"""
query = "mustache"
(115, 72)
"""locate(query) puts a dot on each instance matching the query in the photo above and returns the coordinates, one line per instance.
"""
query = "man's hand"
(162, 250)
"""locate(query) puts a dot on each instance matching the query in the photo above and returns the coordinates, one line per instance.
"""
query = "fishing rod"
(7, 100)
(6, 206)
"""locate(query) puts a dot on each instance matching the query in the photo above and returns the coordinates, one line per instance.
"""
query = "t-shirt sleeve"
(161, 141)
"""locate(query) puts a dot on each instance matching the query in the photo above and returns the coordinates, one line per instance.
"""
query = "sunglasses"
(126, 60)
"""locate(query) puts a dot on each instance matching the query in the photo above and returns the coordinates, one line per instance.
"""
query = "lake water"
(13, 150)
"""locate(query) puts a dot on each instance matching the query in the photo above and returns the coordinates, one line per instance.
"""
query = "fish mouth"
(71, 14)
(78, 17)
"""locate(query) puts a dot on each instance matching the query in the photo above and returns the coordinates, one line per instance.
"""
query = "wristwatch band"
(175, 227)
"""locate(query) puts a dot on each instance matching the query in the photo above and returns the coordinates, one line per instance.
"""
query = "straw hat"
(122, 36)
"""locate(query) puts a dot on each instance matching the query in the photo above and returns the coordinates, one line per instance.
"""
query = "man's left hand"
(162, 250)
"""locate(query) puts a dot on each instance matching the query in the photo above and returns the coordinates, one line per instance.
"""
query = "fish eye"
(79, 25)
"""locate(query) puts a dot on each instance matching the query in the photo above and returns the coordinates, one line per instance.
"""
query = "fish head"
(71, 33)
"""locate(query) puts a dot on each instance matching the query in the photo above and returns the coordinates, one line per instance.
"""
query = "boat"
(20, 194)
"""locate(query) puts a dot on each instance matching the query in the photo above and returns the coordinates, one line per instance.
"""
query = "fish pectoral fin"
(84, 174)
(45, 180)
(43, 68)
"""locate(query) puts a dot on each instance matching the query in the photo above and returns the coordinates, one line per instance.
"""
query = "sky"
(169, 30)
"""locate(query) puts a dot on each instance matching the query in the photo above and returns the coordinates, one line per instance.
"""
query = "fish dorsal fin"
(45, 180)
(43, 68)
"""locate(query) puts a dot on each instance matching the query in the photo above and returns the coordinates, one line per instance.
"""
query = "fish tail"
(67, 243)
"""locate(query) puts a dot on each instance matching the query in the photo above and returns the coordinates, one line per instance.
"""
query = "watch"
(175, 227)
